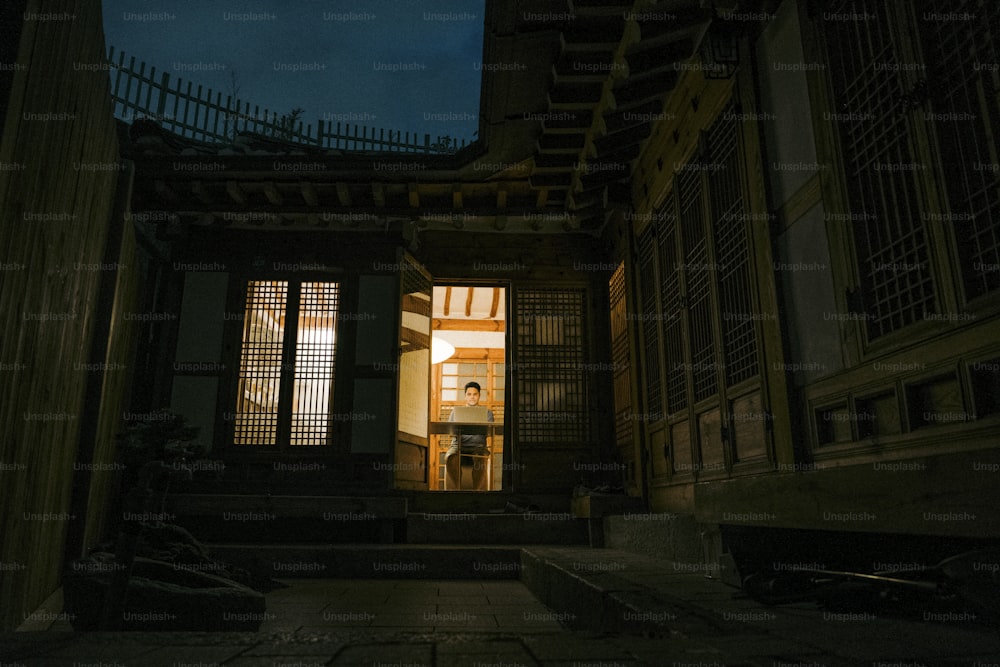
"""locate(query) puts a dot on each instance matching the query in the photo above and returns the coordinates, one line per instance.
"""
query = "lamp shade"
(440, 350)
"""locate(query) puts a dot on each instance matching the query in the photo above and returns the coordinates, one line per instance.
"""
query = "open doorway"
(468, 346)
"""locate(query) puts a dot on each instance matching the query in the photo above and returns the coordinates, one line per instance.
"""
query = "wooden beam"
(343, 194)
(447, 300)
(468, 302)
(236, 192)
(456, 196)
(496, 302)
(438, 324)
(418, 339)
(309, 195)
(412, 304)
(414, 195)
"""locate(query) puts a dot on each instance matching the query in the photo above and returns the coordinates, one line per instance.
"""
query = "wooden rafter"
(439, 324)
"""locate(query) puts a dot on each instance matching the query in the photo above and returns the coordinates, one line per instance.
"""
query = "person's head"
(472, 391)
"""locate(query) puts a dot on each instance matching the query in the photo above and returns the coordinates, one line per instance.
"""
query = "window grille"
(315, 351)
(670, 302)
(619, 358)
(650, 326)
(732, 250)
(260, 364)
(699, 276)
(870, 84)
(551, 371)
(966, 118)
(267, 364)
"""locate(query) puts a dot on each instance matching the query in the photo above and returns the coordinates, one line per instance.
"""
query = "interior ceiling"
(468, 303)
(560, 130)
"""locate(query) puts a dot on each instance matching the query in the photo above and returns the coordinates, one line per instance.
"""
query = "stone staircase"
(419, 535)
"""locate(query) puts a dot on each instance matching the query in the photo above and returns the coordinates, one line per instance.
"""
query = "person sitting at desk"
(473, 444)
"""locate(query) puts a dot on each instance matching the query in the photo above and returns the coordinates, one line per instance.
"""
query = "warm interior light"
(440, 350)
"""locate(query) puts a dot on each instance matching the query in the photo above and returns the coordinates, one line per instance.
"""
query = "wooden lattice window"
(702, 237)
(871, 81)
(551, 355)
(962, 59)
(289, 341)
(620, 357)
(699, 273)
(671, 303)
(732, 252)
(650, 325)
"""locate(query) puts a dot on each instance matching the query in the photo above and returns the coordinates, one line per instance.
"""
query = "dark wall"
(58, 192)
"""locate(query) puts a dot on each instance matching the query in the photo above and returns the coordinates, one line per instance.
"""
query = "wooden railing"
(199, 113)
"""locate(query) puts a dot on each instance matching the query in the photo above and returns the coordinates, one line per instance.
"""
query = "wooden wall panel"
(57, 190)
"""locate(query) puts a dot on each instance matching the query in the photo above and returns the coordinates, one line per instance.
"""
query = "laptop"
(470, 413)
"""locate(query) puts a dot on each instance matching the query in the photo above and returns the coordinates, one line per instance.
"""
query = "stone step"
(554, 528)
(262, 518)
(255, 519)
(337, 508)
(613, 591)
(373, 561)
(479, 502)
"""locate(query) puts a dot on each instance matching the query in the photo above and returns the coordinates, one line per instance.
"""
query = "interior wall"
(60, 173)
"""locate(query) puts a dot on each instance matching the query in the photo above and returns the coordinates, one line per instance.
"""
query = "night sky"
(396, 64)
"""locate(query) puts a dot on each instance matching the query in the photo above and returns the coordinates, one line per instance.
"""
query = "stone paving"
(395, 623)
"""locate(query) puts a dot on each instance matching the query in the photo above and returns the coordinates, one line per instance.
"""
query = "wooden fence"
(205, 115)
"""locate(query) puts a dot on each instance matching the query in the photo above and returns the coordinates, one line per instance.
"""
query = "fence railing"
(199, 113)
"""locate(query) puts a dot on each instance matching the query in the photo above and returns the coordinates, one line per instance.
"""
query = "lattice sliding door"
(699, 274)
(256, 417)
(289, 340)
(883, 173)
(962, 59)
(670, 301)
(732, 251)
(315, 353)
(622, 379)
(650, 325)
